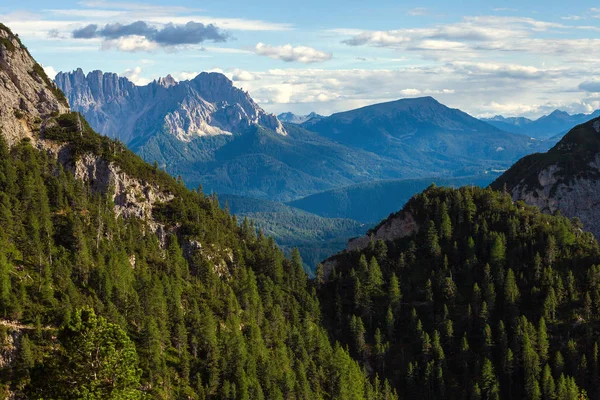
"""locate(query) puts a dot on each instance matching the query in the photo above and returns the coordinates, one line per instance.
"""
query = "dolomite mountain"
(565, 179)
(207, 105)
(213, 134)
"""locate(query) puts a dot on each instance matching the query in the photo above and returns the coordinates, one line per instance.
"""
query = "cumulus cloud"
(590, 86)
(241, 75)
(288, 53)
(377, 38)
(479, 88)
(134, 75)
(186, 75)
(472, 36)
(50, 71)
(410, 92)
(140, 36)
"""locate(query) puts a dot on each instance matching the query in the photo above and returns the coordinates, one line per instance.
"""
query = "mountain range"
(292, 118)
(423, 132)
(118, 282)
(555, 124)
(214, 134)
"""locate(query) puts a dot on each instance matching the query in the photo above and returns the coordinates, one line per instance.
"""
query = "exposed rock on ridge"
(207, 105)
(565, 179)
(27, 97)
(30, 103)
(397, 227)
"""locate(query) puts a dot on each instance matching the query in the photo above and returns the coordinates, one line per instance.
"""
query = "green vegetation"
(6, 42)
(316, 237)
(98, 307)
(39, 71)
(491, 299)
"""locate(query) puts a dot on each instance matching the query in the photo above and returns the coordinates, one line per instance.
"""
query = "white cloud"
(479, 36)
(410, 92)
(130, 44)
(479, 88)
(134, 75)
(418, 11)
(50, 71)
(288, 53)
(186, 75)
(241, 75)
(377, 38)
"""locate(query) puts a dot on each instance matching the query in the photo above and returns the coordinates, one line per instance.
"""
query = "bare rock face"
(27, 96)
(29, 101)
(132, 198)
(565, 179)
(207, 105)
(579, 198)
(394, 228)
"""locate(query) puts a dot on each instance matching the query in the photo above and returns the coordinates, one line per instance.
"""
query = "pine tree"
(98, 360)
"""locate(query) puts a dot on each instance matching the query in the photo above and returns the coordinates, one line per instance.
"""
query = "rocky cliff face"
(397, 227)
(30, 103)
(27, 96)
(565, 179)
(207, 105)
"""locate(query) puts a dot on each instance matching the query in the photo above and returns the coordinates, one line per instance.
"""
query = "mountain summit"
(423, 130)
(207, 105)
(557, 123)
(564, 179)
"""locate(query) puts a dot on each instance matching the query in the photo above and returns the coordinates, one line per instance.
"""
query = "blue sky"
(485, 58)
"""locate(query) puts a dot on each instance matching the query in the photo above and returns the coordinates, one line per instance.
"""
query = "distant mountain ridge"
(425, 132)
(370, 202)
(546, 127)
(292, 118)
(214, 134)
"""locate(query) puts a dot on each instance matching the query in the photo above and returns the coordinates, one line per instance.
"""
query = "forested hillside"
(316, 237)
(490, 299)
(117, 282)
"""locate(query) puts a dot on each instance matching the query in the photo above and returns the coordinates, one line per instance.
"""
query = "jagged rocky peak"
(565, 179)
(207, 105)
(292, 118)
(27, 96)
(167, 81)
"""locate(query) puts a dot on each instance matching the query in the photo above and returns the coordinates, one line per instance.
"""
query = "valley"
(301, 232)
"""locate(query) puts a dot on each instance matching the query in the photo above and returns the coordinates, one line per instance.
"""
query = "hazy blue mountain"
(424, 132)
(552, 126)
(292, 118)
(209, 132)
(373, 201)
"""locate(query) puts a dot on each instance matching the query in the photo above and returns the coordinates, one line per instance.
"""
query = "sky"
(513, 58)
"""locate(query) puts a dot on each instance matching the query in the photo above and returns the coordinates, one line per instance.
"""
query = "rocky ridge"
(207, 105)
(565, 179)
(30, 104)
